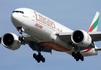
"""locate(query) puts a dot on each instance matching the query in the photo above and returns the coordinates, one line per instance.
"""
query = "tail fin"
(94, 25)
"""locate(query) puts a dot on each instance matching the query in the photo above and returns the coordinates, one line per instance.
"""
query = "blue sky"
(76, 14)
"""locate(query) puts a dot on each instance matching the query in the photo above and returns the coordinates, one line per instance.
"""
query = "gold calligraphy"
(45, 20)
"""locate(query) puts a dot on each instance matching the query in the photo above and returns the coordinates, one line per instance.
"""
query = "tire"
(77, 56)
(38, 60)
(43, 59)
(73, 54)
(77, 59)
(34, 55)
(82, 58)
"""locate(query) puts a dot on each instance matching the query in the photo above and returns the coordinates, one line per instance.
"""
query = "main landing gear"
(77, 56)
(39, 57)
(37, 47)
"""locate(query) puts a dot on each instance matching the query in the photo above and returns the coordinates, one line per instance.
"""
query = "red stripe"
(87, 50)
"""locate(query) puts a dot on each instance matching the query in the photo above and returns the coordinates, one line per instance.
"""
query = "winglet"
(94, 25)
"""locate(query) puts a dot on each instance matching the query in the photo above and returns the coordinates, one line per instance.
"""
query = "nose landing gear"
(38, 57)
(21, 30)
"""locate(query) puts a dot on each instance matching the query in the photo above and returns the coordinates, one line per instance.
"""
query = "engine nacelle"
(11, 41)
(81, 38)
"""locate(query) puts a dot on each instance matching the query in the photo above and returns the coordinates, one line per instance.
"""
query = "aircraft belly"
(55, 46)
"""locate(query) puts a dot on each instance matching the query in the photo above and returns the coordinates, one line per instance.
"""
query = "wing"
(66, 37)
(96, 36)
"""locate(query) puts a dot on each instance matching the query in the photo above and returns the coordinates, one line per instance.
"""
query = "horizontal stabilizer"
(98, 49)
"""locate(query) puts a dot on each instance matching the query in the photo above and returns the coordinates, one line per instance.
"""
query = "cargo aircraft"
(43, 34)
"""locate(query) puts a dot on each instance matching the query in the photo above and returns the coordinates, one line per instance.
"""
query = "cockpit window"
(18, 12)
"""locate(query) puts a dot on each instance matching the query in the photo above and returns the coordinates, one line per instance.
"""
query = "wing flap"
(66, 37)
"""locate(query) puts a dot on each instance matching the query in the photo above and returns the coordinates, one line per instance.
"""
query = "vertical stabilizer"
(94, 25)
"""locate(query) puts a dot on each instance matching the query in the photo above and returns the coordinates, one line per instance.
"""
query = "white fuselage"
(44, 30)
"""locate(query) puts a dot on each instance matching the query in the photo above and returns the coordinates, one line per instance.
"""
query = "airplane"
(43, 34)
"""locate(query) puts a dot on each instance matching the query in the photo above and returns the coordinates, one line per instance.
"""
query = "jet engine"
(11, 41)
(81, 38)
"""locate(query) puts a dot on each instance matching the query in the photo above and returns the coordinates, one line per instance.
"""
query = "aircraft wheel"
(38, 60)
(34, 55)
(43, 59)
(39, 57)
(77, 59)
(21, 38)
(82, 58)
(77, 56)
(73, 54)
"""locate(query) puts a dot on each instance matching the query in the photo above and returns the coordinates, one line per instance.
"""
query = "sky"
(76, 14)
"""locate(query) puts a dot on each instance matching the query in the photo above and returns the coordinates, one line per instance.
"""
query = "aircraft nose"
(16, 19)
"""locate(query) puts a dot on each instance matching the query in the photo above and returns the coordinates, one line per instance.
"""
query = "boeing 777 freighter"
(43, 34)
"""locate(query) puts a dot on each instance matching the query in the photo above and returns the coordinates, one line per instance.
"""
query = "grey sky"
(76, 14)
